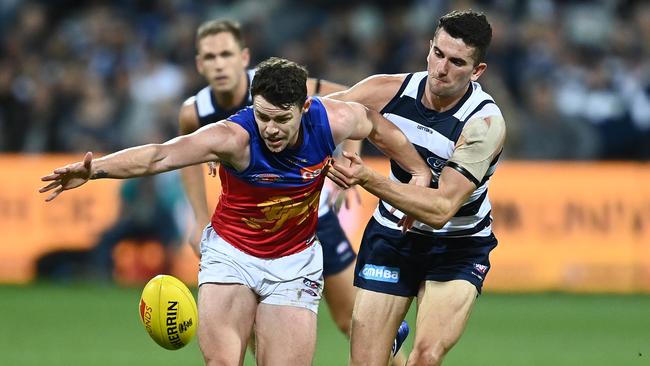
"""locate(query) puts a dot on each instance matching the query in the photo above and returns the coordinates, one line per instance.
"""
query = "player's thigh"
(285, 335)
(375, 320)
(226, 317)
(443, 311)
(339, 294)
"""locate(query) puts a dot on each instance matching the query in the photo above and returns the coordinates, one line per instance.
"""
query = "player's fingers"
(338, 181)
(63, 170)
(49, 187)
(88, 158)
(358, 195)
(50, 177)
(54, 194)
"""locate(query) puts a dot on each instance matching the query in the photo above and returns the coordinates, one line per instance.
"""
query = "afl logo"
(265, 178)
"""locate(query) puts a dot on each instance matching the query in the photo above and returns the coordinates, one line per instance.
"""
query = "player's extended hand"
(67, 177)
(346, 175)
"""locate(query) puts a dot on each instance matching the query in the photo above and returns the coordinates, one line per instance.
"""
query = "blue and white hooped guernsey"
(434, 136)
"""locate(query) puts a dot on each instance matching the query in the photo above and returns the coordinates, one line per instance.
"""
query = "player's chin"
(276, 146)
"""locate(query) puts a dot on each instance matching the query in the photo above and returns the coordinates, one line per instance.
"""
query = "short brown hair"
(470, 26)
(281, 82)
(218, 26)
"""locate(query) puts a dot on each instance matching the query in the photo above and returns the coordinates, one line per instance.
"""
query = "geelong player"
(261, 262)
(444, 258)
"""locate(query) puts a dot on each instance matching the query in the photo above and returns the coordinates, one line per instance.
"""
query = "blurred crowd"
(571, 77)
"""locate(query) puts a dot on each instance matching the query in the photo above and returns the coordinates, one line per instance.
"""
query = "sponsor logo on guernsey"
(311, 172)
(425, 129)
(265, 178)
(436, 166)
(380, 273)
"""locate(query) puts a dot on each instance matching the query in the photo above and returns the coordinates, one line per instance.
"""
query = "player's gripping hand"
(422, 179)
(346, 175)
(68, 177)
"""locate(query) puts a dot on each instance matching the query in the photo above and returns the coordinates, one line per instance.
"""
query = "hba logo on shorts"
(380, 273)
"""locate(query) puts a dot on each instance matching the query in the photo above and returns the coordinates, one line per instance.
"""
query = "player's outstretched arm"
(481, 141)
(223, 140)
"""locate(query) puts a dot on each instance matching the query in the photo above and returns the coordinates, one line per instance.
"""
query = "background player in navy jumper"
(260, 260)
(442, 259)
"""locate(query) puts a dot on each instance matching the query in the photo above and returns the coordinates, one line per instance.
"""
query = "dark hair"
(281, 82)
(218, 26)
(472, 27)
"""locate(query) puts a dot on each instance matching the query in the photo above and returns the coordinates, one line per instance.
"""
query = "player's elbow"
(439, 214)
(435, 222)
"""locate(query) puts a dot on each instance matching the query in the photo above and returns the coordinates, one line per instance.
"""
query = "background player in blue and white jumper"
(261, 262)
(223, 60)
(443, 258)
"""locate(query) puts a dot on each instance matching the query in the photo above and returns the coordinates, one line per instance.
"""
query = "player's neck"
(441, 103)
(233, 98)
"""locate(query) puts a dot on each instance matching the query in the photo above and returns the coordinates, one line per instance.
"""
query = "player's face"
(221, 61)
(279, 128)
(451, 66)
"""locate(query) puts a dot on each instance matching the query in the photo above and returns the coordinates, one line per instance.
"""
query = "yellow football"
(168, 312)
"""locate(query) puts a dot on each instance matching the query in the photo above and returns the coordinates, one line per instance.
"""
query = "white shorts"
(293, 280)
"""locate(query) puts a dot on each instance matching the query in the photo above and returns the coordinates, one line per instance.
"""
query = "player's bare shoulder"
(188, 118)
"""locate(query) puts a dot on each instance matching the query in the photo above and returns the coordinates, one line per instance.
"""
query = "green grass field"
(83, 324)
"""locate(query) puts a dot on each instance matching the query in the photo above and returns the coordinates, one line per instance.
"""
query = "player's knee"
(430, 354)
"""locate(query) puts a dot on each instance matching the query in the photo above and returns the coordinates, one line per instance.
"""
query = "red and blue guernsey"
(270, 210)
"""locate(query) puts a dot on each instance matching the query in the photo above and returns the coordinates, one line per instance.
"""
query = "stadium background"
(571, 275)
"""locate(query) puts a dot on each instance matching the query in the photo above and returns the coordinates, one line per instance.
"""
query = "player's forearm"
(194, 184)
(421, 203)
(132, 162)
(390, 140)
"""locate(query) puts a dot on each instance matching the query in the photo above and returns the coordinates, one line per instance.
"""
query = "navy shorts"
(337, 251)
(394, 263)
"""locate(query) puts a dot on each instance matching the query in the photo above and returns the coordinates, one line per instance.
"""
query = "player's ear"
(199, 65)
(307, 104)
(478, 71)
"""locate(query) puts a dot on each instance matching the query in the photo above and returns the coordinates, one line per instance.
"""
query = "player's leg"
(339, 294)
(338, 270)
(375, 321)
(227, 300)
(443, 311)
(226, 316)
(445, 300)
(388, 277)
(285, 324)
(285, 335)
